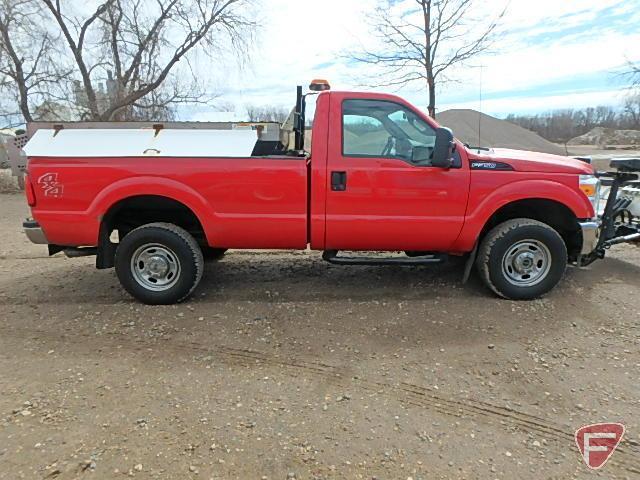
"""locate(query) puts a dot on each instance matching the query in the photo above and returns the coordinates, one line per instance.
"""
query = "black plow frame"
(618, 224)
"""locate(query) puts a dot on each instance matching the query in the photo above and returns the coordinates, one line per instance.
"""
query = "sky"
(547, 54)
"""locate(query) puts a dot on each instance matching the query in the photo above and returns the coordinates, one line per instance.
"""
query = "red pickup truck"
(380, 176)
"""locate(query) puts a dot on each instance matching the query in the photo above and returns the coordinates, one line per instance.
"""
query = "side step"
(76, 252)
(331, 256)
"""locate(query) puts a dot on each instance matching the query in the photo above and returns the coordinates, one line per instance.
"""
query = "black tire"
(211, 254)
(522, 259)
(173, 249)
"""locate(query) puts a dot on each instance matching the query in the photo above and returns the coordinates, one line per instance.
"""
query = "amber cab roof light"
(319, 85)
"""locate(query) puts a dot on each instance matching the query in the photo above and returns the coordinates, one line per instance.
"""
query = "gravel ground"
(283, 366)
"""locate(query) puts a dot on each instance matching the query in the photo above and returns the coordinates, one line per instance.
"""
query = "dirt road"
(283, 366)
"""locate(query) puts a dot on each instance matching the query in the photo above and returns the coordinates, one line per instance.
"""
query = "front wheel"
(522, 259)
(159, 263)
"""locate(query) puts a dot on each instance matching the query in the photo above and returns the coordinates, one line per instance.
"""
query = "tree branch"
(421, 44)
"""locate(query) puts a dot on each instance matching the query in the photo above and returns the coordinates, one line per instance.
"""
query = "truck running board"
(76, 252)
(331, 256)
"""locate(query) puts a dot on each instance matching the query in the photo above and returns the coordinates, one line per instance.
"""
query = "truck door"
(382, 192)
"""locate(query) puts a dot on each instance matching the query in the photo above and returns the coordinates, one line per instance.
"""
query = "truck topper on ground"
(380, 175)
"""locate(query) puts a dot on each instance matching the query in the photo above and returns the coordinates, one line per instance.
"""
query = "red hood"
(523, 161)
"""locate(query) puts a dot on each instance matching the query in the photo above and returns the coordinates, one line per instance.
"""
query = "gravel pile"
(494, 132)
(607, 136)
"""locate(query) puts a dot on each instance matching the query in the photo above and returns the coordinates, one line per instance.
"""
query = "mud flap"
(469, 265)
(106, 252)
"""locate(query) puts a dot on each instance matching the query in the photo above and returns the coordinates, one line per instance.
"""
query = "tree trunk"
(19, 75)
(432, 100)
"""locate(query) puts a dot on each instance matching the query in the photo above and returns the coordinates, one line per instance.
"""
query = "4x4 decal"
(50, 185)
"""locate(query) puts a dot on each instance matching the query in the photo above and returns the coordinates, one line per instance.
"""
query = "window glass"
(363, 135)
(386, 129)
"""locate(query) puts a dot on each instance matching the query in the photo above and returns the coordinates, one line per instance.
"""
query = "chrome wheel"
(155, 267)
(526, 263)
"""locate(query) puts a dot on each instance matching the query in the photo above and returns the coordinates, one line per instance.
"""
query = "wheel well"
(133, 212)
(554, 214)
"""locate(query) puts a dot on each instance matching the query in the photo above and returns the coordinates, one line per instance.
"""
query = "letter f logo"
(597, 442)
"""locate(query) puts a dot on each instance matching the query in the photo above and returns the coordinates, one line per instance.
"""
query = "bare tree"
(131, 59)
(632, 109)
(254, 112)
(422, 43)
(633, 74)
(266, 113)
(30, 69)
(563, 125)
(225, 106)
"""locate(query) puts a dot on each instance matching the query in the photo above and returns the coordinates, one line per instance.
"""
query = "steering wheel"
(391, 141)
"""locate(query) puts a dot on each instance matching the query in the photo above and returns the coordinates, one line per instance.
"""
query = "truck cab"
(383, 190)
(380, 176)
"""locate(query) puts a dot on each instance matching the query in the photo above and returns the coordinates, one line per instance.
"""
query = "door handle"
(338, 181)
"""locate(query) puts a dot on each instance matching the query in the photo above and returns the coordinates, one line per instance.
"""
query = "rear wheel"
(522, 259)
(159, 263)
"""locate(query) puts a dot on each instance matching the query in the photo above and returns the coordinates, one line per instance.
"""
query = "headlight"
(590, 186)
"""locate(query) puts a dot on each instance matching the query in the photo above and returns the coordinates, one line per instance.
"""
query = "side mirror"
(444, 148)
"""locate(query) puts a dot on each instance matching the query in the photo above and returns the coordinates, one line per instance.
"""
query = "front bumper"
(34, 232)
(590, 236)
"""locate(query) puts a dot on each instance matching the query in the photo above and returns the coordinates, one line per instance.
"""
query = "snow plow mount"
(618, 224)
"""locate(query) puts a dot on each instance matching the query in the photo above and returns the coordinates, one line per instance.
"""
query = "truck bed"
(241, 201)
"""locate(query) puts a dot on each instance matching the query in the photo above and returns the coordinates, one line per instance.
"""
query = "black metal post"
(299, 120)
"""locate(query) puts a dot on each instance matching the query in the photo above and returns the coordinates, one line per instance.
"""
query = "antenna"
(480, 108)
